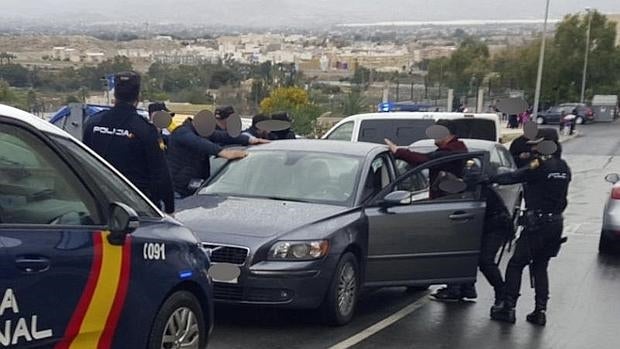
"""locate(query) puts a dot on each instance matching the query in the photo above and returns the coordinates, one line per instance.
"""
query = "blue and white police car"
(86, 260)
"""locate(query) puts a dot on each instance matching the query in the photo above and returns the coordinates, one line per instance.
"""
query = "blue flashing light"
(185, 275)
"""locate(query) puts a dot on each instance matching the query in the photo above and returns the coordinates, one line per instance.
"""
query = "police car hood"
(213, 217)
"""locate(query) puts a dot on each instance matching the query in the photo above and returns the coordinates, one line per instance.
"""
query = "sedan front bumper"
(280, 283)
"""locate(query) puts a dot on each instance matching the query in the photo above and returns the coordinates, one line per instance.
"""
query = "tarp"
(89, 110)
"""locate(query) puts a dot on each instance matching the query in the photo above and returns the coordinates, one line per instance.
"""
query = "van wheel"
(341, 299)
(179, 324)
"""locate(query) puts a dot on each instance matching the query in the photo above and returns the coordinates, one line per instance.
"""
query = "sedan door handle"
(33, 265)
(461, 216)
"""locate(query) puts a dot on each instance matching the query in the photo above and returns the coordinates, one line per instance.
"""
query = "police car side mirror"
(123, 221)
(612, 178)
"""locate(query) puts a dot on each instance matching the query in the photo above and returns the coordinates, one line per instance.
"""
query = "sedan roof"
(359, 149)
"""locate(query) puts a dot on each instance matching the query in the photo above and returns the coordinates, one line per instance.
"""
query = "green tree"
(354, 103)
(297, 103)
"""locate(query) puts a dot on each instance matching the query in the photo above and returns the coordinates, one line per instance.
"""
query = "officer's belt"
(540, 214)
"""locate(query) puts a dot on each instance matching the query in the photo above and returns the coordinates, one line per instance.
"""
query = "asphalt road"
(584, 310)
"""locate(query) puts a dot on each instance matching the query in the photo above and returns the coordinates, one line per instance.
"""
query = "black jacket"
(188, 156)
(221, 137)
(545, 184)
(132, 145)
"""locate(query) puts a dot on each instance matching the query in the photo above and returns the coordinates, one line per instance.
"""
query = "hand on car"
(393, 147)
(255, 141)
(232, 154)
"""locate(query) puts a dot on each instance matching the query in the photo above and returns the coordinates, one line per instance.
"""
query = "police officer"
(546, 180)
(189, 154)
(521, 151)
(160, 106)
(283, 134)
(130, 143)
(221, 135)
(254, 131)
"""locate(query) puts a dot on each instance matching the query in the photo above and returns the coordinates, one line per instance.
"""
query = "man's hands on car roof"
(232, 154)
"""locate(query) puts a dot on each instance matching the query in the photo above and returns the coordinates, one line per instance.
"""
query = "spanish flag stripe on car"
(96, 316)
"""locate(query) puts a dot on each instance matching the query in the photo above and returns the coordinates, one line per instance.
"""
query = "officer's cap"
(281, 116)
(159, 106)
(546, 134)
(258, 118)
(224, 113)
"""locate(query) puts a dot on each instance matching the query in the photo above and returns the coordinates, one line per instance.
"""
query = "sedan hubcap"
(181, 330)
(347, 289)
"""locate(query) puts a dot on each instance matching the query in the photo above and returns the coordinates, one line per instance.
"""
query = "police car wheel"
(179, 324)
(340, 302)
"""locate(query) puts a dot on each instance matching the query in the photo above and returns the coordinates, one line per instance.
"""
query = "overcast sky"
(291, 12)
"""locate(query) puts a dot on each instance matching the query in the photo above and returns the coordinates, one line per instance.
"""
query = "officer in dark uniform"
(283, 134)
(254, 131)
(160, 106)
(130, 143)
(221, 135)
(521, 151)
(546, 180)
(189, 157)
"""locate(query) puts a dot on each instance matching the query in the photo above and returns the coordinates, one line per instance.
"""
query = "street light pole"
(541, 60)
(585, 59)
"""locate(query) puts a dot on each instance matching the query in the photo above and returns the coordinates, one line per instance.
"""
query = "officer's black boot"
(506, 313)
(538, 316)
(499, 301)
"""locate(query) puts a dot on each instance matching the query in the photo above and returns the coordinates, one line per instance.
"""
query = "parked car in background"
(553, 115)
(610, 233)
(309, 223)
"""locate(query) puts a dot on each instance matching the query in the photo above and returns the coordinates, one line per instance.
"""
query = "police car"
(86, 261)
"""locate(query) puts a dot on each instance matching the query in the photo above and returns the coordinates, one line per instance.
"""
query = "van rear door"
(476, 128)
(400, 131)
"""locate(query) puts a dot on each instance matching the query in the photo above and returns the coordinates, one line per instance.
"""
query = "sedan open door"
(425, 228)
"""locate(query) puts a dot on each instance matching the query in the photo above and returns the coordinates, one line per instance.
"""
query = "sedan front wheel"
(341, 299)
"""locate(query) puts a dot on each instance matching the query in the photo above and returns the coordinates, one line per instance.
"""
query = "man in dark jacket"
(189, 154)
(160, 106)
(130, 143)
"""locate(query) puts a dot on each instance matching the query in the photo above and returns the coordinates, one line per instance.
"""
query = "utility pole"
(541, 60)
(585, 59)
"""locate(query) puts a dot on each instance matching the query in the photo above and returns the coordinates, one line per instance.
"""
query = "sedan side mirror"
(398, 198)
(612, 178)
(123, 221)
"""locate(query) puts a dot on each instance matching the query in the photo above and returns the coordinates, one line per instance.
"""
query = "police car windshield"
(289, 175)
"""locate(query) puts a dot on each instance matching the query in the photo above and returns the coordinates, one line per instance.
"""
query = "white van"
(405, 128)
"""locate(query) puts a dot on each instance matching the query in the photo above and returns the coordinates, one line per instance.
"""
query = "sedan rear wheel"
(179, 324)
(540, 120)
(605, 245)
(341, 299)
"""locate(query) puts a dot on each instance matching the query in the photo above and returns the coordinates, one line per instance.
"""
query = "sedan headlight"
(299, 250)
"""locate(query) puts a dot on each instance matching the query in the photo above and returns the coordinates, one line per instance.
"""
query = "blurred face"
(443, 141)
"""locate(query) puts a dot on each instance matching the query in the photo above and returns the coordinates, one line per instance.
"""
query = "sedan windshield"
(287, 175)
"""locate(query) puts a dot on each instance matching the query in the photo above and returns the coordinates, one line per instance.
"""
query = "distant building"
(616, 19)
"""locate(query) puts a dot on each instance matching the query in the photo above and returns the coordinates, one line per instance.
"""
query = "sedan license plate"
(224, 272)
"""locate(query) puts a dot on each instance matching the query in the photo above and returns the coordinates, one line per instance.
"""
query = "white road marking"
(572, 229)
(381, 325)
